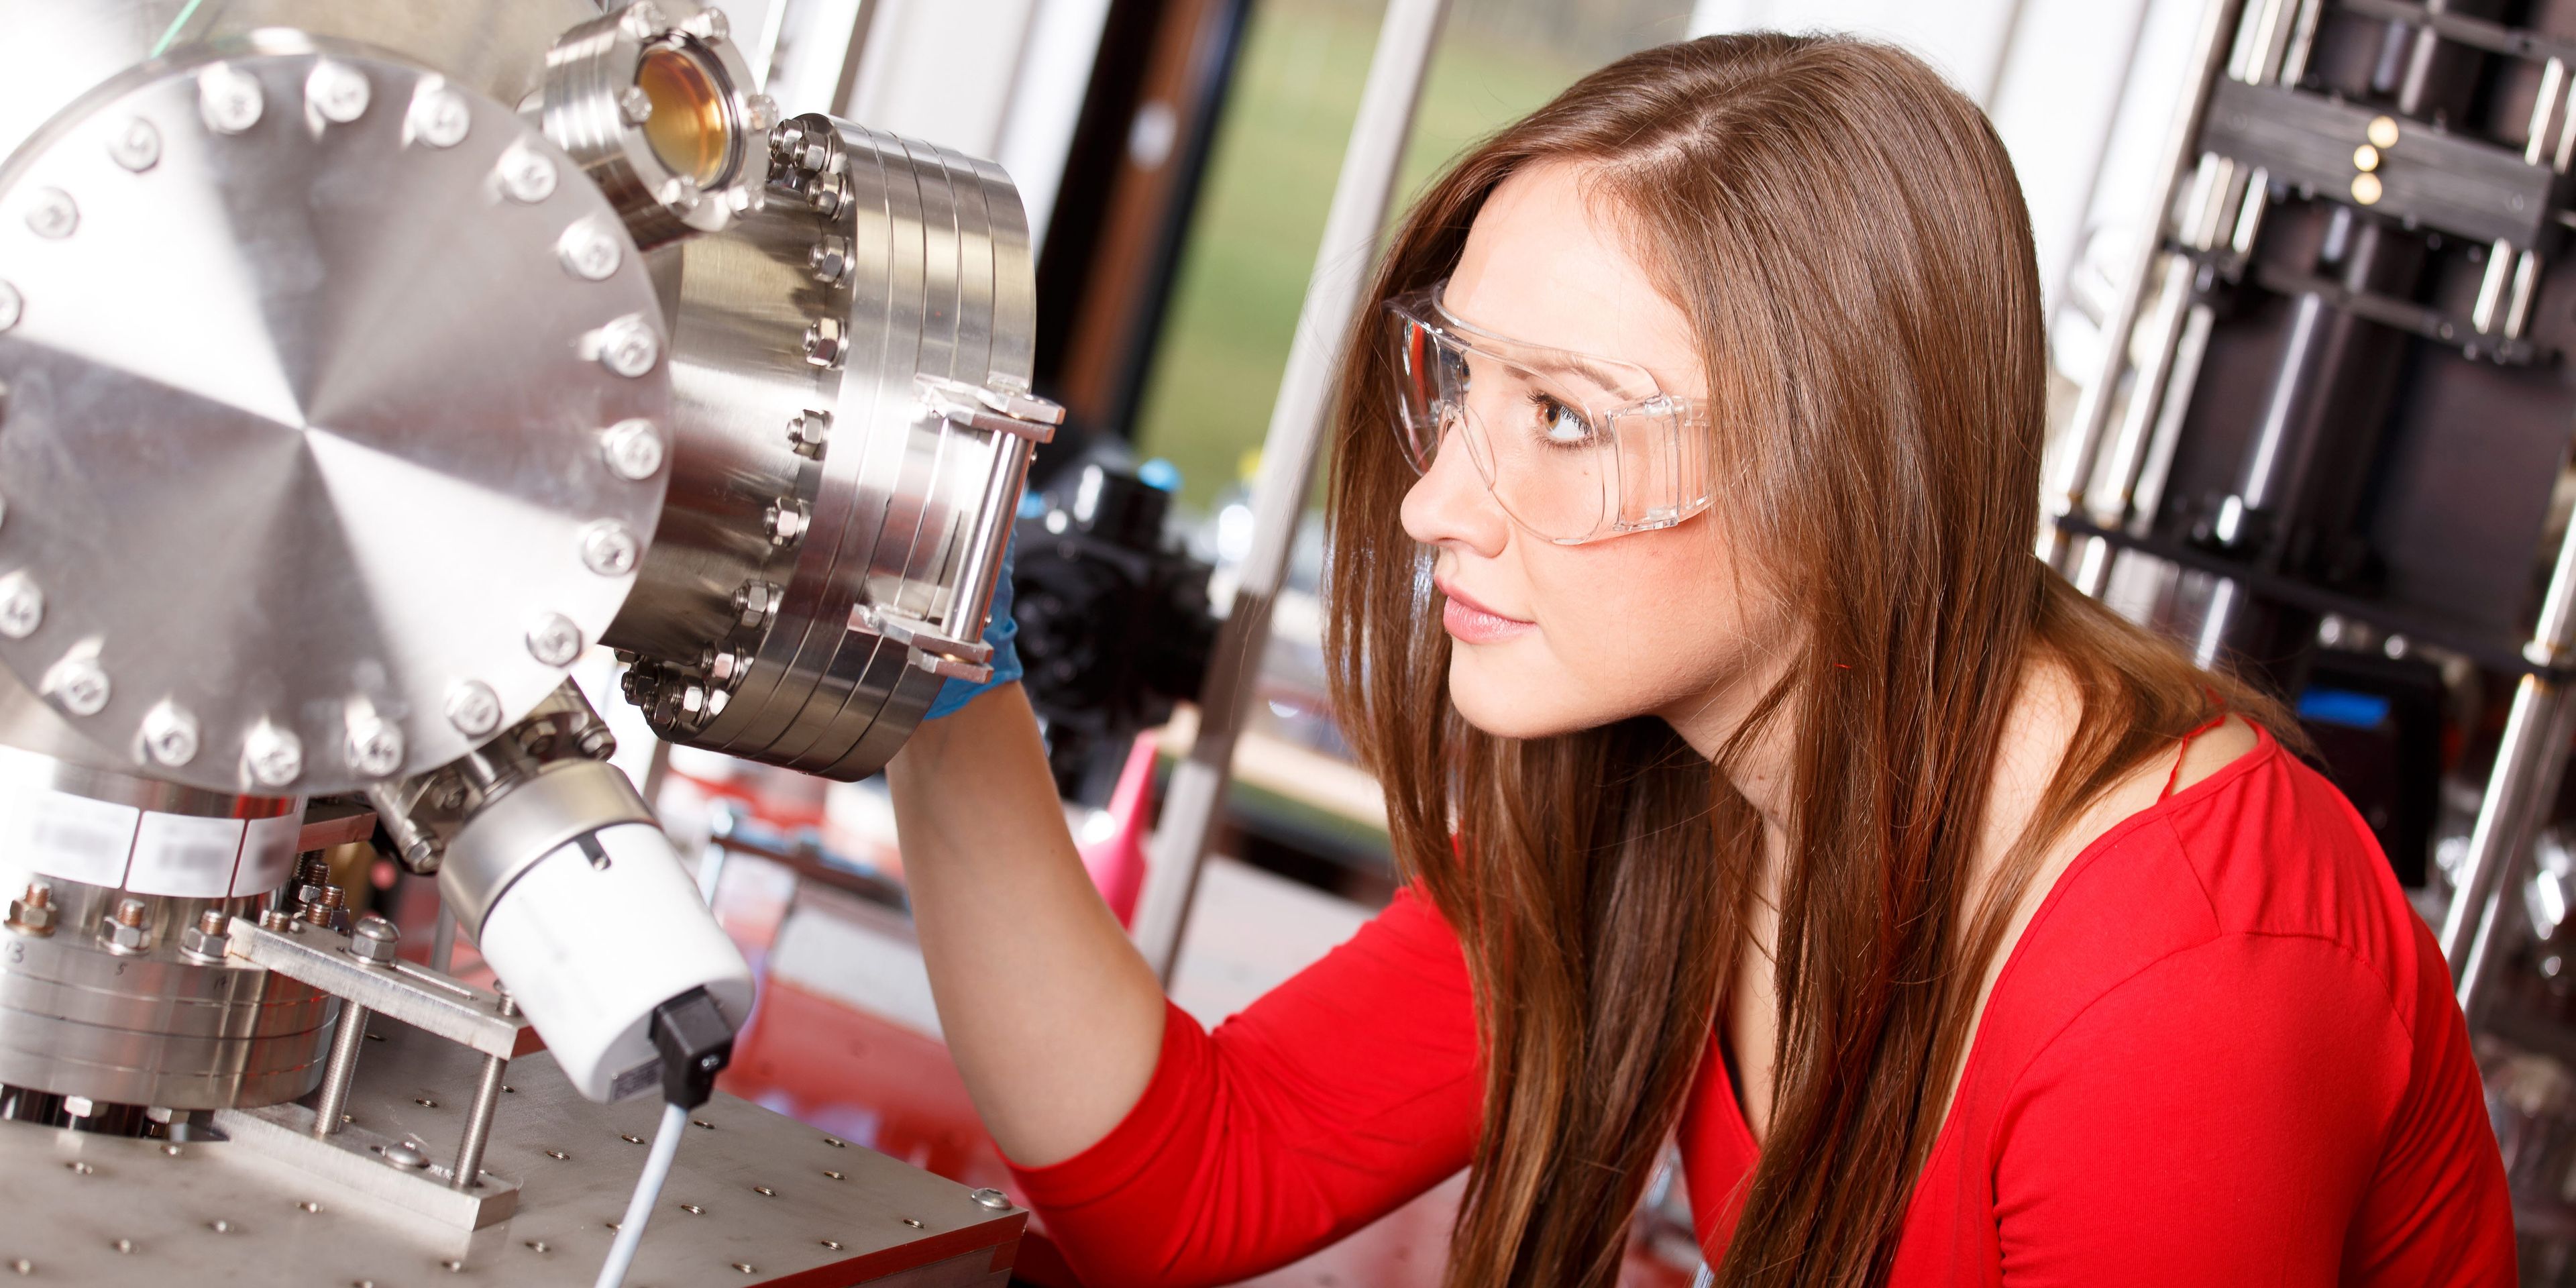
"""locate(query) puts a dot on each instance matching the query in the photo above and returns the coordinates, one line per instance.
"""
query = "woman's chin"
(1507, 702)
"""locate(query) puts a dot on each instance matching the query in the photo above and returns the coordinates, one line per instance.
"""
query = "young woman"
(1757, 788)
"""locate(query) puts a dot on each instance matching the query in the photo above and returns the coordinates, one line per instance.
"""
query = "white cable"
(648, 1191)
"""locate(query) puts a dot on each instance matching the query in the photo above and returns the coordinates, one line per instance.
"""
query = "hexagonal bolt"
(137, 147)
(319, 911)
(634, 105)
(693, 699)
(124, 931)
(439, 117)
(724, 666)
(374, 940)
(374, 746)
(709, 25)
(273, 756)
(644, 20)
(755, 600)
(597, 743)
(554, 640)
(825, 342)
(336, 92)
(808, 432)
(633, 449)
(829, 260)
(473, 708)
(526, 175)
(994, 1199)
(170, 734)
(22, 606)
(680, 193)
(52, 213)
(610, 549)
(207, 939)
(761, 112)
(79, 683)
(33, 912)
(229, 98)
(12, 306)
(629, 346)
(589, 251)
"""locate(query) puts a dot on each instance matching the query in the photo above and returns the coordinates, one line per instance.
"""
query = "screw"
(337, 91)
(588, 252)
(994, 1199)
(598, 743)
(124, 932)
(137, 147)
(375, 747)
(761, 112)
(12, 306)
(709, 26)
(170, 733)
(205, 941)
(554, 640)
(824, 342)
(786, 522)
(527, 177)
(473, 708)
(680, 193)
(229, 98)
(634, 105)
(318, 911)
(52, 213)
(406, 1156)
(808, 431)
(829, 259)
(22, 606)
(644, 20)
(633, 450)
(629, 347)
(373, 940)
(755, 600)
(440, 117)
(275, 756)
(609, 548)
(33, 913)
(504, 1002)
(275, 919)
(79, 683)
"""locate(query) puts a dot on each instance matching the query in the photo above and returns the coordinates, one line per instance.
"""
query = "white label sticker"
(268, 854)
(76, 838)
(184, 855)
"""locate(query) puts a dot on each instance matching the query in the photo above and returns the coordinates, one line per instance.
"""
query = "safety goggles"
(1575, 448)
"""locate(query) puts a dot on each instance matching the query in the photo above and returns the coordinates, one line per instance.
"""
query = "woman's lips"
(1472, 623)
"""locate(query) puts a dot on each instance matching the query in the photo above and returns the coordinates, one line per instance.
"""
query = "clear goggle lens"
(1575, 448)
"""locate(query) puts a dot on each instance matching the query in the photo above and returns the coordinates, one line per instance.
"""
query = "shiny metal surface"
(286, 527)
(523, 825)
(355, 1158)
(595, 106)
(155, 1027)
(437, 1004)
(799, 338)
(832, 1213)
(497, 47)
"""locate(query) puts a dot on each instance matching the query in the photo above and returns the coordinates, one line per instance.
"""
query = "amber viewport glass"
(689, 126)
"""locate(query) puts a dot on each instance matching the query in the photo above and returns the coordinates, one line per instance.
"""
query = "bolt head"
(823, 342)
(33, 916)
(761, 112)
(473, 708)
(808, 432)
(709, 26)
(203, 941)
(124, 939)
(337, 92)
(634, 105)
(786, 522)
(829, 259)
(22, 606)
(52, 213)
(440, 117)
(680, 193)
(274, 756)
(610, 549)
(589, 251)
(994, 1199)
(374, 940)
(12, 306)
(527, 176)
(629, 346)
(170, 734)
(693, 699)
(79, 683)
(229, 98)
(375, 746)
(633, 449)
(554, 640)
(137, 147)
(643, 20)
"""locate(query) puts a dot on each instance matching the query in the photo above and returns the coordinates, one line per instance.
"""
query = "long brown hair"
(1846, 234)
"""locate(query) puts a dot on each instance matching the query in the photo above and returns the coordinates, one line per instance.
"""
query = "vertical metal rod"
(1342, 262)
(442, 940)
(2092, 419)
(478, 1123)
(345, 1042)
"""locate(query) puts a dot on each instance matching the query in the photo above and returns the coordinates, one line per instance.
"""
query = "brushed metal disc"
(304, 420)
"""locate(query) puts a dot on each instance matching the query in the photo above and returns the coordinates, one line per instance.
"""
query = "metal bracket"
(417, 996)
(371, 1164)
(940, 654)
(1002, 411)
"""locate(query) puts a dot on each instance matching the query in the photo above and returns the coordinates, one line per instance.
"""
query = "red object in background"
(1117, 861)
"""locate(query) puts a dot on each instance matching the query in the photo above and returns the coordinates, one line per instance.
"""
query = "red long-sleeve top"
(2223, 1052)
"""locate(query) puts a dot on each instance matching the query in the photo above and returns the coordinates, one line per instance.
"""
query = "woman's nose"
(1451, 506)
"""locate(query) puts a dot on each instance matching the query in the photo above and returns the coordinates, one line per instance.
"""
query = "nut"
(807, 433)
(786, 521)
(634, 105)
(830, 258)
(825, 342)
(125, 933)
(374, 940)
(33, 912)
(206, 940)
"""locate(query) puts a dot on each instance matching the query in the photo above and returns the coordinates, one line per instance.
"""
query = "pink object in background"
(1112, 844)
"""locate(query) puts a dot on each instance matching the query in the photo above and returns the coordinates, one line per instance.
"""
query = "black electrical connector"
(695, 1044)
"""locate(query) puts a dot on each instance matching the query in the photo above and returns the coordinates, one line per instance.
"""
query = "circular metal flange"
(305, 417)
(661, 112)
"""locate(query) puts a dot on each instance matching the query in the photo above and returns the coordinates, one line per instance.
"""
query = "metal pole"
(345, 1042)
(442, 940)
(1288, 453)
(478, 1118)
(2074, 474)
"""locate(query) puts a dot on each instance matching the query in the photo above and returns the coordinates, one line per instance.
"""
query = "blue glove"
(999, 632)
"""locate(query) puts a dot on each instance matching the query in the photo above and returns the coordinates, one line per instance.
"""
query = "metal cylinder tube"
(345, 1043)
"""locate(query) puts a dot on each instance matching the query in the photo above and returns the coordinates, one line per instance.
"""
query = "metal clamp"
(415, 995)
(1003, 411)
